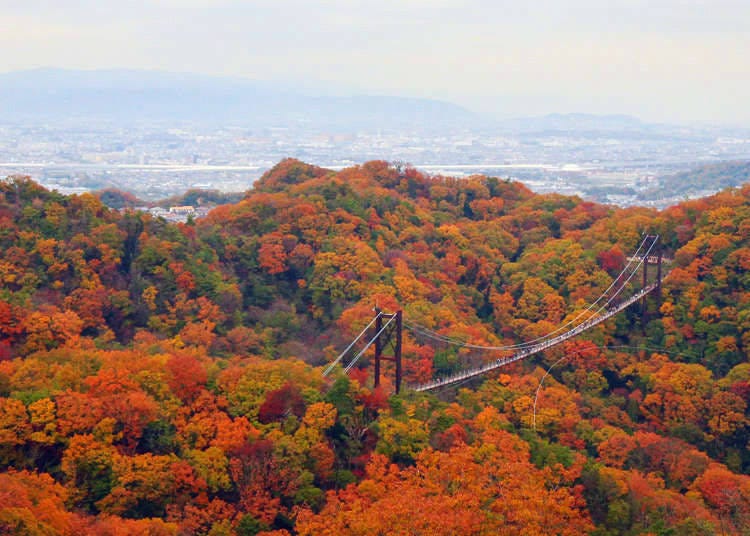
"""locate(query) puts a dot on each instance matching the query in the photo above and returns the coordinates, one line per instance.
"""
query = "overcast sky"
(657, 59)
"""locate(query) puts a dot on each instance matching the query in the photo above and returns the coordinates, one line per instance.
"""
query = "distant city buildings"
(157, 161)
(175, 214)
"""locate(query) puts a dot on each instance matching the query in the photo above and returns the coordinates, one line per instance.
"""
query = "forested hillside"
(166, 379)
(117, 199)
(695, 182)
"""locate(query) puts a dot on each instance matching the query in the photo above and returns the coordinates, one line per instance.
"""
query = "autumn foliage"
(166, 379)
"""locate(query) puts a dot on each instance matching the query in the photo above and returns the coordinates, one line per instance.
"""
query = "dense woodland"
(709, 177)
(117, 199)
(166, 379)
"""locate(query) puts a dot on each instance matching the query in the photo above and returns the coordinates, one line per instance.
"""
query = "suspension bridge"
(384, 332)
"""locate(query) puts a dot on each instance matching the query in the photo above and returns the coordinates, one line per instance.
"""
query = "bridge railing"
(523, 354)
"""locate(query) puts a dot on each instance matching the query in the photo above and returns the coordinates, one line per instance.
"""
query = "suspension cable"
(363, 350)
(426, 332)
(331, 366)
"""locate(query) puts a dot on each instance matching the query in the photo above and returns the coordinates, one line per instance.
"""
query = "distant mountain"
(700, 181)
(131, 95)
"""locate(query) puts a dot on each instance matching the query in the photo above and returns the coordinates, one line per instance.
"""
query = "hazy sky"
(657, 59)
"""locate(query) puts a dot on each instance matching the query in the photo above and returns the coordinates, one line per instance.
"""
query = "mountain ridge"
(147, 95)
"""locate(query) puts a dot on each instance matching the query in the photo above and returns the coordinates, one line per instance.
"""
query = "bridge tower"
(655, 259)
(388, 340)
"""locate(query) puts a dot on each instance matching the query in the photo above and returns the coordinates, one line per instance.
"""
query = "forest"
(160, 378)
(708, 177)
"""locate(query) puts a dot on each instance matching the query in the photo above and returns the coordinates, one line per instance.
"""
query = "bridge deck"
(535, 349)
